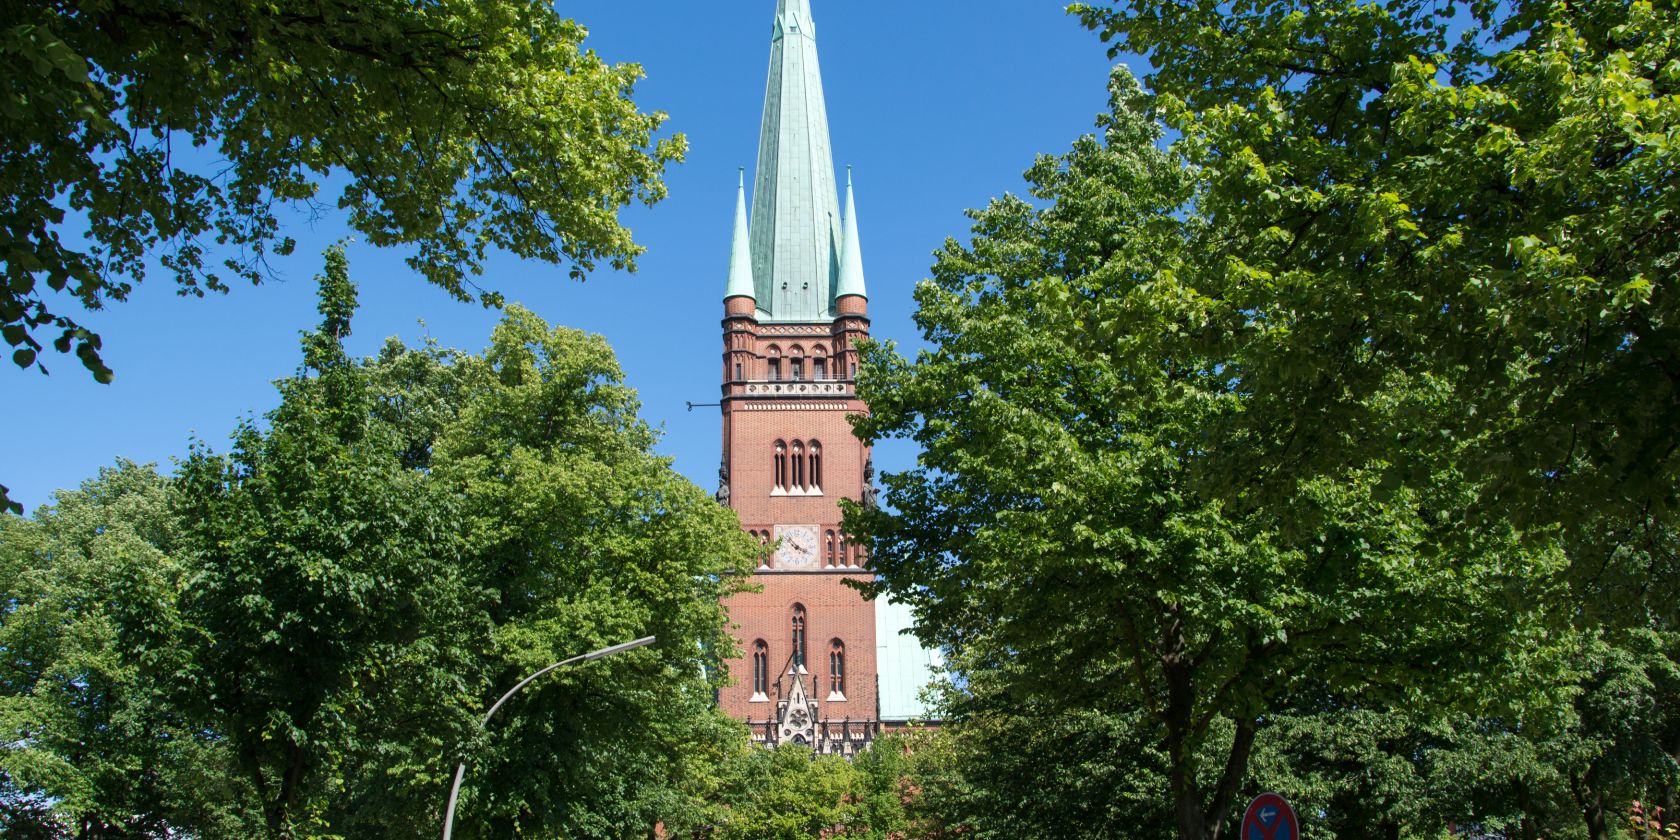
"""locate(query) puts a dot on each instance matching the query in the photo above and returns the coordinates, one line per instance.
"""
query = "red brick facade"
(791, 457)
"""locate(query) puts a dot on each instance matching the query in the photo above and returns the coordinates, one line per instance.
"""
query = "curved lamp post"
(461, 769)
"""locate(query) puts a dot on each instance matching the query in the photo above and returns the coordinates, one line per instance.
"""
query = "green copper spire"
(851, 251)
(740, 257)
(796, 208)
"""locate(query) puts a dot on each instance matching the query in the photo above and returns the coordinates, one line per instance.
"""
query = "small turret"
(850, 296)
(739, 294)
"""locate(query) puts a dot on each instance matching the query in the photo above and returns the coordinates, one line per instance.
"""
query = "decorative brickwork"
(763, 492)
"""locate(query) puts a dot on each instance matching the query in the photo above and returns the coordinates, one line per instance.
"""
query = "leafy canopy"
(298, 637)
(457, 126)
(1089, 517)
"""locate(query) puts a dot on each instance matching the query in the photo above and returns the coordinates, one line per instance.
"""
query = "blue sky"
(938, 105)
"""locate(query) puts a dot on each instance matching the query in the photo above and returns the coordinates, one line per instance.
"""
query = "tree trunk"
(1179, 716)
(1528, 828)
(1667, 795)
(1197, 818)
(1591, 805)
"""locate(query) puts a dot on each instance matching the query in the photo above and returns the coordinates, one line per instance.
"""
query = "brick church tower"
(794, 307)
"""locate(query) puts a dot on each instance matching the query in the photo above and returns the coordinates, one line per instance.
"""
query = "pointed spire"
(796, 206)
(851, 251)
(740, 256)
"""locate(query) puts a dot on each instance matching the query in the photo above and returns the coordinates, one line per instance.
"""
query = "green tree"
(457, 126)
(1417, 199)
(1083, 512)
(787, 794)
(298, 638)
(1009, 764)
(1478, 197)
(330, 611)
(582, 536)
(97, 743)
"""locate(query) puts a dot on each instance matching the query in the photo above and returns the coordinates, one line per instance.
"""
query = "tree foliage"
(1478, 197)
(1298, 429)
(94, 677)
(334, 624)
(1080, 517)
(455, 127)
(787, 793)
(297, 638)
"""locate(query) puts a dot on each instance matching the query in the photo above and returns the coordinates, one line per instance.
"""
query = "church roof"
(795, 238)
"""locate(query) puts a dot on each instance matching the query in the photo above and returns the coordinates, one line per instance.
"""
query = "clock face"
(798, 549)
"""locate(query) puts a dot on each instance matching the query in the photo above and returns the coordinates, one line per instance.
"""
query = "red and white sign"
(1269, 817)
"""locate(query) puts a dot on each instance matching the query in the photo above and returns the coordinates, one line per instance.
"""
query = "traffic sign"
(1269, 817)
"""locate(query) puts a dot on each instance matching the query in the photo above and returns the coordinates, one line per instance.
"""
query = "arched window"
(775, 362)
(837, 667)
(761, 668)
(819, 367)
(798, 465)
(798, 627)
(781, 466)
(814, 474)
(828, 550)
(796, 361)
(840, 551)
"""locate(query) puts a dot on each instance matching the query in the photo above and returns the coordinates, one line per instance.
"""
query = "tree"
(1010, 764)
(1080, 513)
(788, 792)
(329, 604)
(1477, 197)
(98, 743)
(458, 126)
(581, 536)
(298, 638)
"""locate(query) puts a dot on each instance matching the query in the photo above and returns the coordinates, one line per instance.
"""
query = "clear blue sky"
(939, 105)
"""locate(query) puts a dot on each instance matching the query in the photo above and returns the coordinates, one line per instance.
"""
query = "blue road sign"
(1269, 817)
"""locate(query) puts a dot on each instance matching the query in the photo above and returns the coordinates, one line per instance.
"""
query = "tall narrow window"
(819, 368)
(781, 466)
(798, 627)
(814, 474)
(775, 370)
(840, 551)
(837, 667)
(737, 371)
(798, 466)
(828, 550)
(761, 669)
(798, 369)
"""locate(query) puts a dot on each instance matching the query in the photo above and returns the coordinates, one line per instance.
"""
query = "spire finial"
(740, 252)
(851, 251)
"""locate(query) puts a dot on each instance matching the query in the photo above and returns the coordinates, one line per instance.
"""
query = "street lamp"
(461, 769)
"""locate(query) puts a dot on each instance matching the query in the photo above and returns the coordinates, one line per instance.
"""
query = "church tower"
(794, 308)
